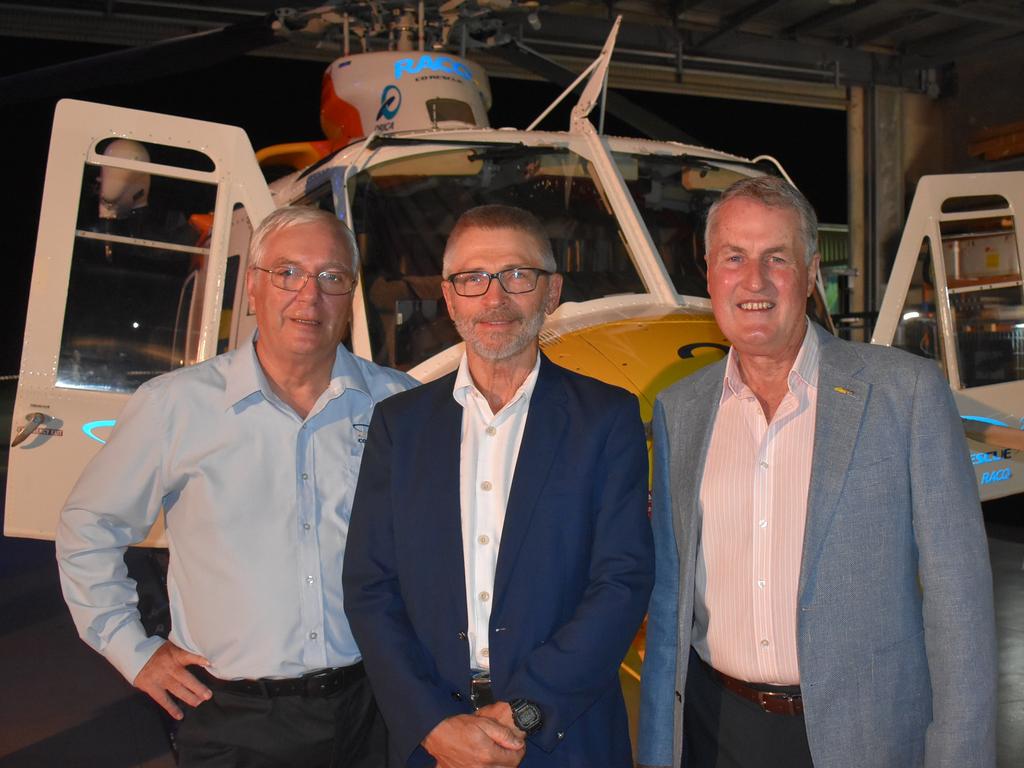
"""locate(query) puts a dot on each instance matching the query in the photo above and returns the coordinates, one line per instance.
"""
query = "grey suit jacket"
(896, 635)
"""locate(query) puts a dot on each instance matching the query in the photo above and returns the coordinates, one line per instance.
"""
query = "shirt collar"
(464, 385)
(803, 373)
(245, 376)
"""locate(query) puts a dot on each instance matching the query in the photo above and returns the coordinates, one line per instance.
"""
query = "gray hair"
(501, 217)
(773, 192)
(298, 215)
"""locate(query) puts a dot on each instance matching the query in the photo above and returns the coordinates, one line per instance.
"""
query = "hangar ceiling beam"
(890, 26)
(734, 21)
(956, 41)
(963, 11)
(829, 16)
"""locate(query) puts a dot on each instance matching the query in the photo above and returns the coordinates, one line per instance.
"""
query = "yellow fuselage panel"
(643, 355)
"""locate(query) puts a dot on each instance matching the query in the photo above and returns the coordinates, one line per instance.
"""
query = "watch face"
(526, 715)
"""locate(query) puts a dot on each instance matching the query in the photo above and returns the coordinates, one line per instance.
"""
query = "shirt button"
(485, 652)
(305, 476)
(313, 635)
(764, 465)
(305, 526)
(761, 583)
(310, 579)
(491, 431)
(763, 523)
(484, 596)
(560, 735)
(486, 485)
(764, 643)
(484, 539)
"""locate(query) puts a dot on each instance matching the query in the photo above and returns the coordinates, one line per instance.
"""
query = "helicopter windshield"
(403, 209)
(673, 194)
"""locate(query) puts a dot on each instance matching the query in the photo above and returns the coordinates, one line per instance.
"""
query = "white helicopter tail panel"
(131, 269)
(955, 295)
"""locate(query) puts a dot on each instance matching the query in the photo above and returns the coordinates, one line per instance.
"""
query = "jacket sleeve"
(570, 671)
(657, 689)
(402, 675)
(956, 582)
(113, 505)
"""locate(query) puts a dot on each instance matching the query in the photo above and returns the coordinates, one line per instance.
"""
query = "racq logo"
(432, 63)
(361, 431)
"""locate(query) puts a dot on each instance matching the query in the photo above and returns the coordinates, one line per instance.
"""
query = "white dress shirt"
(487, 464)
(754, 502)
(257, 505)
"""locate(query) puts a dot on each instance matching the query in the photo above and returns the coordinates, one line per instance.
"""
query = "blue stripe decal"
(986, 420)
(88, 429)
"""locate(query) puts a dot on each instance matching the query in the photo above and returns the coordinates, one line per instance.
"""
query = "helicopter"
(407, 147)
(145, 222)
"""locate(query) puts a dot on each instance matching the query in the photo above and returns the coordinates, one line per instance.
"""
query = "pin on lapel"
(844, 391)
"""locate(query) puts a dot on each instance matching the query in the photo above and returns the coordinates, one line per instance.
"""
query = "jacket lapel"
(542, 441)
(439, 481)
(694, 417)
(841, 402)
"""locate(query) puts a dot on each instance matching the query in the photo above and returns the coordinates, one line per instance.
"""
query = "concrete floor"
(62, 705)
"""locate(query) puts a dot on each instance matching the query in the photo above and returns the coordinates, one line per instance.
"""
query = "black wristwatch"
(526, 715)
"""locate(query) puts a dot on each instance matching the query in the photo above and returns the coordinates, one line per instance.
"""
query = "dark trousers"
(724, 730)
(234, 730)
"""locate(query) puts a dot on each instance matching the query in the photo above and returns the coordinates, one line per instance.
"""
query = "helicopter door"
(955, 295)
(131, 275)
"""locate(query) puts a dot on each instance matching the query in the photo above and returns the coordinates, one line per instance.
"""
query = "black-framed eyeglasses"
(294, 279)
(512, 280)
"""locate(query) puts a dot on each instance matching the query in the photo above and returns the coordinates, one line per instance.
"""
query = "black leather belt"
(319, 684)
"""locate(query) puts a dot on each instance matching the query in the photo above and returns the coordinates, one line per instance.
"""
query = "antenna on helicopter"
(598, 84)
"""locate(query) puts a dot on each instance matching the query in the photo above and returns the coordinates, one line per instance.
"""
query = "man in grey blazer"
(823, 592)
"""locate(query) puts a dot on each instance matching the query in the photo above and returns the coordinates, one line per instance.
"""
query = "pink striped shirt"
(754, 501)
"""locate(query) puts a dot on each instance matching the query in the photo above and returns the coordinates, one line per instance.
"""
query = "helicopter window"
(321, 197)
(404, 209)
(137, 271)
(918, 329)
(986, 303)
(673, 194)
(449, 110)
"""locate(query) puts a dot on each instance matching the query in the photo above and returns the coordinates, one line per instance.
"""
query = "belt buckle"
(788, 700)
(314, 683)
(480, 692)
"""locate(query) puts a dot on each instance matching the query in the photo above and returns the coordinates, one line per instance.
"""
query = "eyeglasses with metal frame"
(294, 279)
(512, 280)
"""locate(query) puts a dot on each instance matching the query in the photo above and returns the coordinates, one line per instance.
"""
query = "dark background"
(277, 100)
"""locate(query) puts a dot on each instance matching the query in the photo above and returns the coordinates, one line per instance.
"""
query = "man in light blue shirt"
(253, 456)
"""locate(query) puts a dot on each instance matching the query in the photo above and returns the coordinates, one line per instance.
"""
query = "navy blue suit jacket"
(574, 572)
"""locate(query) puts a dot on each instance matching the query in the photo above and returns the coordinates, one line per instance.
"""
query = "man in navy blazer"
(892, 619)
(500, 555)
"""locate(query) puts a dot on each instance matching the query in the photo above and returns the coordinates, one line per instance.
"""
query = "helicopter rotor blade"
(165, 57)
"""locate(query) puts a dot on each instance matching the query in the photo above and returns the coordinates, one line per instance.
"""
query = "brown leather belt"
(775, 702)
(320, 684)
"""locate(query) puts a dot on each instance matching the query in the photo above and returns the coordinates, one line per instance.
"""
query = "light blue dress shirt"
(257, 504)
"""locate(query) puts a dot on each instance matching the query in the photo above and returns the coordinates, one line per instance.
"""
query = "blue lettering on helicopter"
(990, 456)
(997, 476)
(390, 102)
(434, 63)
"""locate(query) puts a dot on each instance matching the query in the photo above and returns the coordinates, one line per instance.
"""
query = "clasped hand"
(486, 739)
